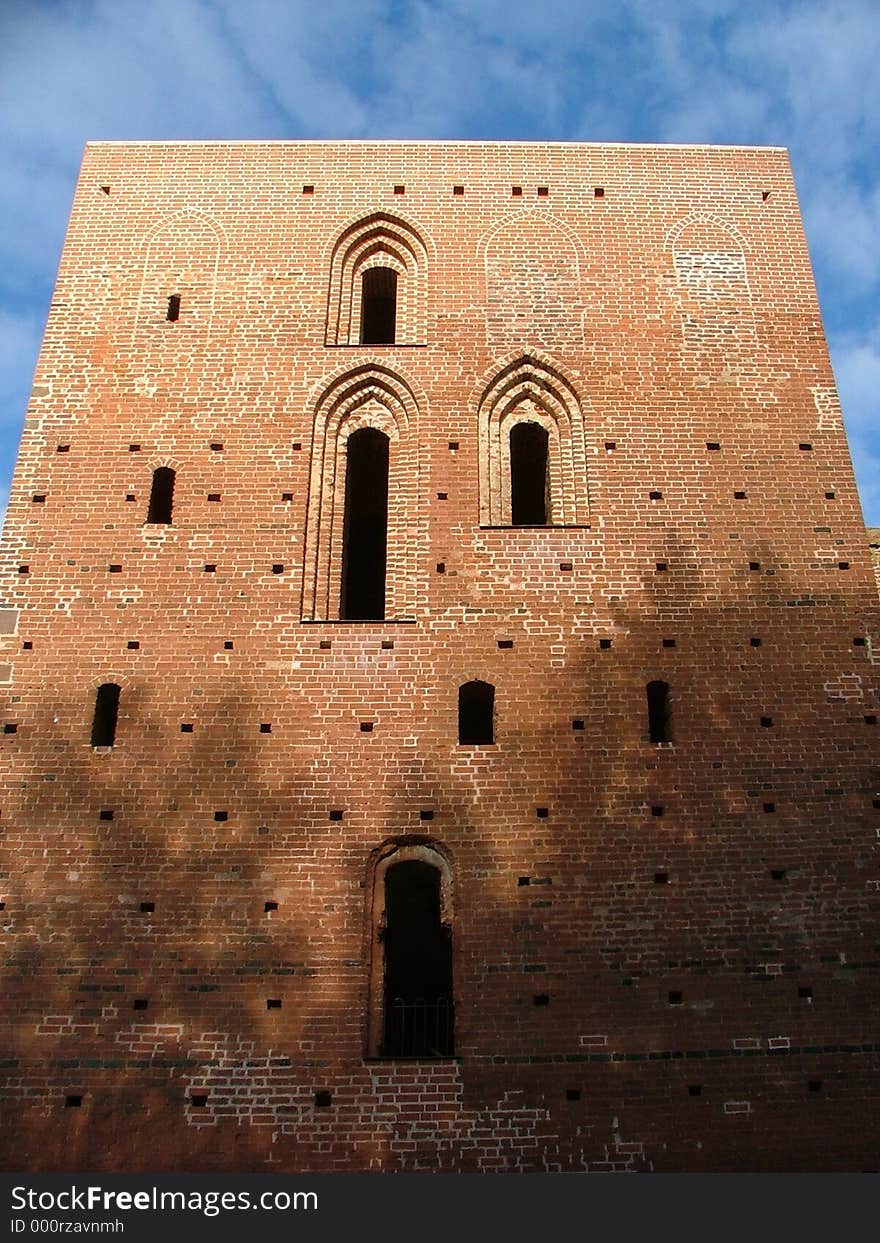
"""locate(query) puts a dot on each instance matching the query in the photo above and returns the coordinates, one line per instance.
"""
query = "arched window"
(365, 526)
(161, 496)
(476, 712)
(529, 481)
(106, 712)
(412, 1015)
(659, 716)
(378, 306)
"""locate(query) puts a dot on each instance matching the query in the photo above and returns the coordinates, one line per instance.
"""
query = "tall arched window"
(161, 496)
(659, 716)
(417, 985)
(529, 481)
(365, 526)
(476, 713)
(106, 713)
(378, 306)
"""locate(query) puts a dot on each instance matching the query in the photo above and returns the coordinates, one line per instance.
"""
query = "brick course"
(699, 915)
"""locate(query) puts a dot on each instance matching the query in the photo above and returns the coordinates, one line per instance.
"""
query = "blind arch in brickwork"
(715, 298)
(532, 388)
(181, 257)
(368, 396)
(384, 241)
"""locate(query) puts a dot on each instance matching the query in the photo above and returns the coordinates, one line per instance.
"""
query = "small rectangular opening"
(173, 312)
(675, 998)
(657, 810)
(273, 1003)
(572, 1094)
(543, 192)
(669, 642)
(140, 1003)
(769, 808)
(147, 908)
(695, 1089)
(604, 644)
(662, 567)
(73, 1102)
(277, 568)
(400, 189)
(216, 447)
(441, 567)
(211, 569)
(39, 498)
(62, 448)
(228, 645)
(114, 569)
(655, 495)
(325, 645)
(106, 813)
(10, 728)
(387, 645)
(336, 814)
(739, 496)
(265, 727)
(186, 728)
(323, 1100)
(198, 1100)
(778, 873)
(598, 192)
(213, 496)
(505, 644)
(516, 191)
(426, 813)
(308, 190)
(133, 645)
(458, 190)
(366, 727)
(754, 641)
(577, 724)
(541, 999)
(661, 878)
(805, 447)
(221, 815)
(542, 812)
(270, 906)
(766, 722)
(523, 880)
(713, 445)
(610, 446)
(287, 496)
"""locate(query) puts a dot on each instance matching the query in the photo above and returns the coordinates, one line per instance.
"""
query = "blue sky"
(802, 75)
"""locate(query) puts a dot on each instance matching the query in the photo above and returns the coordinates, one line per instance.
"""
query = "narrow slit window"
(378, 306)
(365, 527)
(106, 714)
(529, 481)
(476, 714)
(417, 1001)
(659, 717)
(161, 496)
(173, 312)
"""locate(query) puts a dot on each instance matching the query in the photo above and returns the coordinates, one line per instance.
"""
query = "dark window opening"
(161, 495)
(378, 306)
(529, 484)
(173, 312)
(418, 964)
(659, 718)
(476, 711)
(365, 527)
(106, 713)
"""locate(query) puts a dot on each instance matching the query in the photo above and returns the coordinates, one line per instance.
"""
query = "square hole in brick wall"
(754, 641)
(695, 1089)
(387, 645)
(675, 998)
(516, 191)
(24, 569)
(505, 644)
(228, 645)
(62, 448)
(216, 446)
(739, 496)
(220, 816)
(130, 496)
(133, 645)
(870, 718)
(140, 1003)
(308, 189)
(39, 498)
(297, 446)
(805, 447)
(598, 192)
(830, 496)
(858, 641)
(754, 565)
(426, 813)
(453, 446)
(199, 1100)
(441, 567)
(10, 727)
(134, 448)
(277, 568)
(523, 880)
(366, 727)
(265, 727)
(805, 991)
(843, 565)
(655, 495)
(572, 1094)
(542, 812)
(213, 496)
(769, 808)
(543, 192)
(778, 873)
(287, 496)
(273, 1003)
(814, 1085)
(541, 999)
(323, 1100)
(106, 813)
(668, 642)
(458, 190)
(566, 566)
(713, 445)
(270, 906)
(657, 809)
(73, 1101)
(114, 569)
(662, 567)
(604, 644)
(766, 722)
(400, 189)
(336, 814)
(27, 646)
(210, 569)
(577, 723)
(661, 878)
(187, 727)
(610, 446)
(147, 908)
(325, 645)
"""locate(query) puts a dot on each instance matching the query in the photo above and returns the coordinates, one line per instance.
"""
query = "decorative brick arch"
(378, 240)
(368, 396)
(714, 295)
(181, 256)
(532, 388)
(397, 850)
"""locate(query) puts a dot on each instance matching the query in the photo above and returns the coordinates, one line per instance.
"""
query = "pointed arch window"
(378, 306)
(365, 526)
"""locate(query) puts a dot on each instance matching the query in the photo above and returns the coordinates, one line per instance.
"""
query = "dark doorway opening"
(418, 1018)
(476, 710)
(529, 485)
(378, 306)
(659, 717)
(161, 495)
(365, 527)
(106, 713)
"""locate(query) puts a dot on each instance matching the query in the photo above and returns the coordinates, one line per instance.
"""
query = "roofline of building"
(419, 142)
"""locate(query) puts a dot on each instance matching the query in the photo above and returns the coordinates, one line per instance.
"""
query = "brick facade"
(664, 954)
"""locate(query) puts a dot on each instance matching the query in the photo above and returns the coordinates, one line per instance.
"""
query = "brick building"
(441, 701)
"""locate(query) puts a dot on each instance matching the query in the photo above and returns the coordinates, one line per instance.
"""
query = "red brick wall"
(672, 312)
